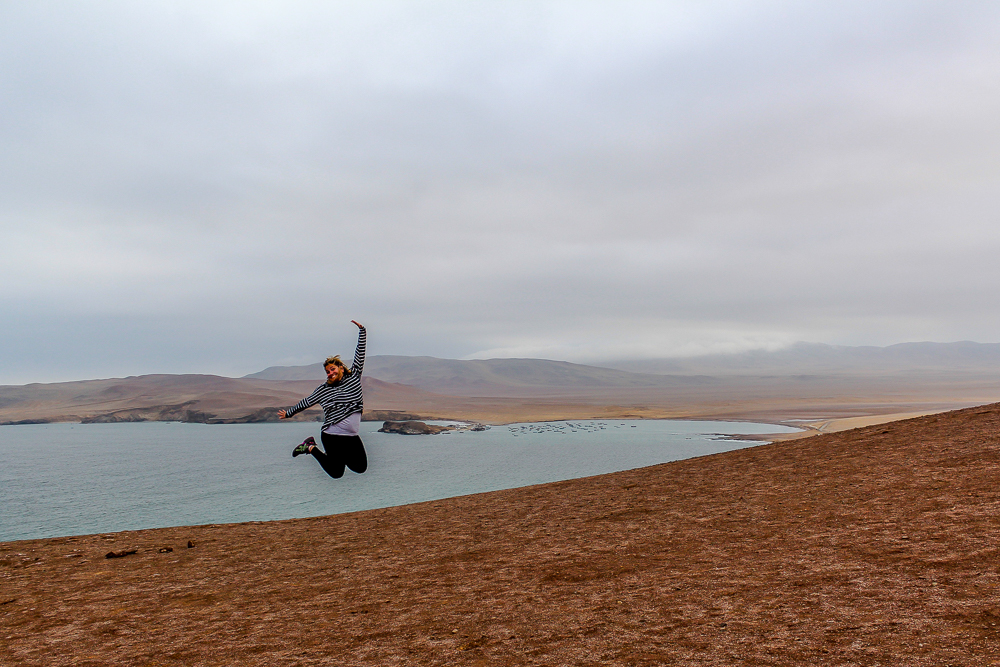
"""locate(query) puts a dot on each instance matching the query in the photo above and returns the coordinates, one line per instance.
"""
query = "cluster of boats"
(563, 427)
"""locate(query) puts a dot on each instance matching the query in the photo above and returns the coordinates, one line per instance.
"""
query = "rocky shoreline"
(185, 413)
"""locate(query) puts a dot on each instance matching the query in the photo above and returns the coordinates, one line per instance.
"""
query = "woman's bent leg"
(344, 450)
(333, 466)
(355, 456)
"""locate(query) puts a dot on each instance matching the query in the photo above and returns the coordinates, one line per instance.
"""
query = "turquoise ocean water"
(72, 479)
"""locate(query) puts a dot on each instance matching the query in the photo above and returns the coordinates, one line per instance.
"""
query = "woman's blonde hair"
(335, 361)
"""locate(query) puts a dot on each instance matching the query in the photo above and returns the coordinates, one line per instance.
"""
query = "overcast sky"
(221, 187)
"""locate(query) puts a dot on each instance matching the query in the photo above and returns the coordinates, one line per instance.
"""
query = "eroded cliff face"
(413, 428)
(187, 413)
(190, 398)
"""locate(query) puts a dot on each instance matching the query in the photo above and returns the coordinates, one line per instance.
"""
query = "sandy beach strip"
(874, 546)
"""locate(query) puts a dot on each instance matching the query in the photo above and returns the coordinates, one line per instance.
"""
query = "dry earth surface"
(876, 546)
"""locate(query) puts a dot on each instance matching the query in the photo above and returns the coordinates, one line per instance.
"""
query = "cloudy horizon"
(222, 187)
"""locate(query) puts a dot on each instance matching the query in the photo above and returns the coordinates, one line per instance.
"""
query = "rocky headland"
(413, 428)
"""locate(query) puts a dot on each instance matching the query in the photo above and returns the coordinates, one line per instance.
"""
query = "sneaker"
(304, 447)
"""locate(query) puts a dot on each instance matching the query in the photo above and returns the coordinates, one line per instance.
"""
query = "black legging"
(341, 450)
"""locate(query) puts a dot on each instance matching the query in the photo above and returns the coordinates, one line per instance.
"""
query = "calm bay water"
(72, 479)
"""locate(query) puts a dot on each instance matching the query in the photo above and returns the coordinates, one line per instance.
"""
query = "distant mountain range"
(492, 377)
(806, 377)
(525, 377)
(819, 358)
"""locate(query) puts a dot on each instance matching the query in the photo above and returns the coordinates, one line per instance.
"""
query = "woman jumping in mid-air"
(342, 403)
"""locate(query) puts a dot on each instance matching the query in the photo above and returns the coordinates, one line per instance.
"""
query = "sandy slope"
(875, 546)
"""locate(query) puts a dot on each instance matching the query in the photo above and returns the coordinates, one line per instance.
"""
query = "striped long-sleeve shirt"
(342, 398)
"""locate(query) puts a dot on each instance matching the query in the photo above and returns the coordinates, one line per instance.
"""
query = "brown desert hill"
(496, 377)
(534, 389)
(921, 362)
(144, 397)
(176, 397)
(876, 546)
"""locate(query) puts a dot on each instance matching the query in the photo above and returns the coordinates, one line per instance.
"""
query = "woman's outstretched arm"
(359, 354)
(309, 401)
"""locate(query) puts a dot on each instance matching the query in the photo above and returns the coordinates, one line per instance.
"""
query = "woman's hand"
(355, 322)
(282, 414)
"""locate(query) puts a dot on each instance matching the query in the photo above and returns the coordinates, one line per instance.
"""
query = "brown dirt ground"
(876, 546)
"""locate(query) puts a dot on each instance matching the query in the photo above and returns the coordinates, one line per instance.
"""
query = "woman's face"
(334, 373)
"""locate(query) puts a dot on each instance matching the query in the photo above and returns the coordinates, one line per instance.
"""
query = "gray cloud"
(220, 189)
